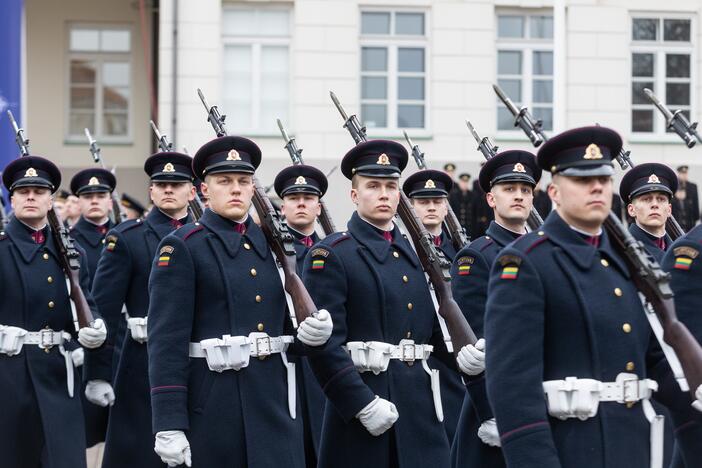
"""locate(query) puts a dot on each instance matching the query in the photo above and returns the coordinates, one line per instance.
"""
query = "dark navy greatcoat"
(569, 309)
(122, 278)
(375, 291)
(33, 391)
(213, 281)
(470, 292)
(686, 284)
(649, 241)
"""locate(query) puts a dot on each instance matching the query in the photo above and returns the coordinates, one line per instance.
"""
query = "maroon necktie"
(437, 241)
(240, 228)
(38, 237)
(660, 242)
(101, 229)
(387, 235)
(307, 240)
(593, 241)
(176, 223)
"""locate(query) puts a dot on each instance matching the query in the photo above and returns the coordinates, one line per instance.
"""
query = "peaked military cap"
(31, 171)
(169, 166)
(581, 152)
(449, 167)
(62, 194)
(465, 176)
(375, 158)
(93, 180)
(509, 166)
(227, 154)
(427, 183)
(646, 178)
(683, 169)
(300, 179)
(130, 202)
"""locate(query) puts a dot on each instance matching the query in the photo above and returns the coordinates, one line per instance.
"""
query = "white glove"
(173, 448)
(697, 404)
(99, 392)
(315, 331)
(471, 359)
(488, 433)
(93, 336)
(138, 328)
(78, 356)
(378, 416)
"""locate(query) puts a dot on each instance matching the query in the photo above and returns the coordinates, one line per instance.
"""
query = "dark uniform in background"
(134, 208)
(462, 203)
(542, 202)
(122, 280)
(469, 282)
(686, 205)
(482, 213)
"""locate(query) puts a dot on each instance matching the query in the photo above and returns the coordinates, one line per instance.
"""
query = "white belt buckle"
(263, 347)
(46, 339)
(408, 352)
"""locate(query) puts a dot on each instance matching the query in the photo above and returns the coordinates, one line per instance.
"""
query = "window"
(256, 84)
(393, 69)
(100, 82)
(525, 65)
(661, 61)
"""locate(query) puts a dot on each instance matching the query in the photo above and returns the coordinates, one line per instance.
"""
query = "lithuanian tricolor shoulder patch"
(464, 265)
(684, 256)
(164, 255)
(683, 263)
(318, 264)
(110, 242)
(510, 266)
(509, 272)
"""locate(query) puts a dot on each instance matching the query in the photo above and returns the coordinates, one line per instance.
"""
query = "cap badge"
(233, 155)
(654, 179)
(300, 181)
(93, 181)
(593, 152)
(430, 184)
(383, 160)
(519, 167)
(168, 168)
(31, 172)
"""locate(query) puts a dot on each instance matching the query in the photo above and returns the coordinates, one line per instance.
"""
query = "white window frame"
(99, 58)
(527, 46)
(659, 49)
(256, 43)
(393, 42)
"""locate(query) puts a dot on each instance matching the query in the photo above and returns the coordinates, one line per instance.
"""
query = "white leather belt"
(580, 398)
(12, 339)
(234, 352)
(375, 356)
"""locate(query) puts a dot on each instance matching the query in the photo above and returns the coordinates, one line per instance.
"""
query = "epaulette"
(336, 238)
(197, 227)
(486, 242)
(127, 225)
(530, 241)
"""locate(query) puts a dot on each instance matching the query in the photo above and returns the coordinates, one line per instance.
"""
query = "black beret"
(227, 154)
(427, 183)
(646, 178)
(585, 151)
(509, 166)
(300, 178)
(169, 166)
(31, 171)
(375, 158)
(93, 180)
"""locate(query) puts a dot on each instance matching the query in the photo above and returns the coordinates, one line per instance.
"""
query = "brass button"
(396, 255)
(51, 304)
(47, 350)
(258, 298)
(410, 306)
(630, 404)
(604, 263)
(627, 328)
(45, 256)
(487, 237)
(630, 366)
(409, 334)
(247, 246)
(618, 292)
(405, 278)
(50, 279)
(541, 233)
(253, 272)
(260, 327)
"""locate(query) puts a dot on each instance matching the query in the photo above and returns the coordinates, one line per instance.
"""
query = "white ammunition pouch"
(138, 329)
(580, 398)
(13, 339)
(234, 353)
(375, 356)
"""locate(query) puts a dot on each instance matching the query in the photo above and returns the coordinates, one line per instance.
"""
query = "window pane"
(239, 22)
(273, 23)
(513, 89)
(411, 88)
(541, 27)
(375, 87)
(409, 23)
(509, 62)
(545, 114)
(645, 29)
(505, 120)
(677, 94)
(114, 124)
(115, 74)
(543, 63)
(82, 72)
(252, 22)
(637, 93)
(79, 121)
(374, 59)
(115, 98)
(677, 65)
(510, 26)
(85, 40)
(410, 116)
(410, 60)
(237, 86)
(114, 40)
(375, 23)
(374, 115)
(642, 120)
(543, 91)
(676, 30)
(642, 64)
(274, 89)
(82, 98)
(274, 60)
